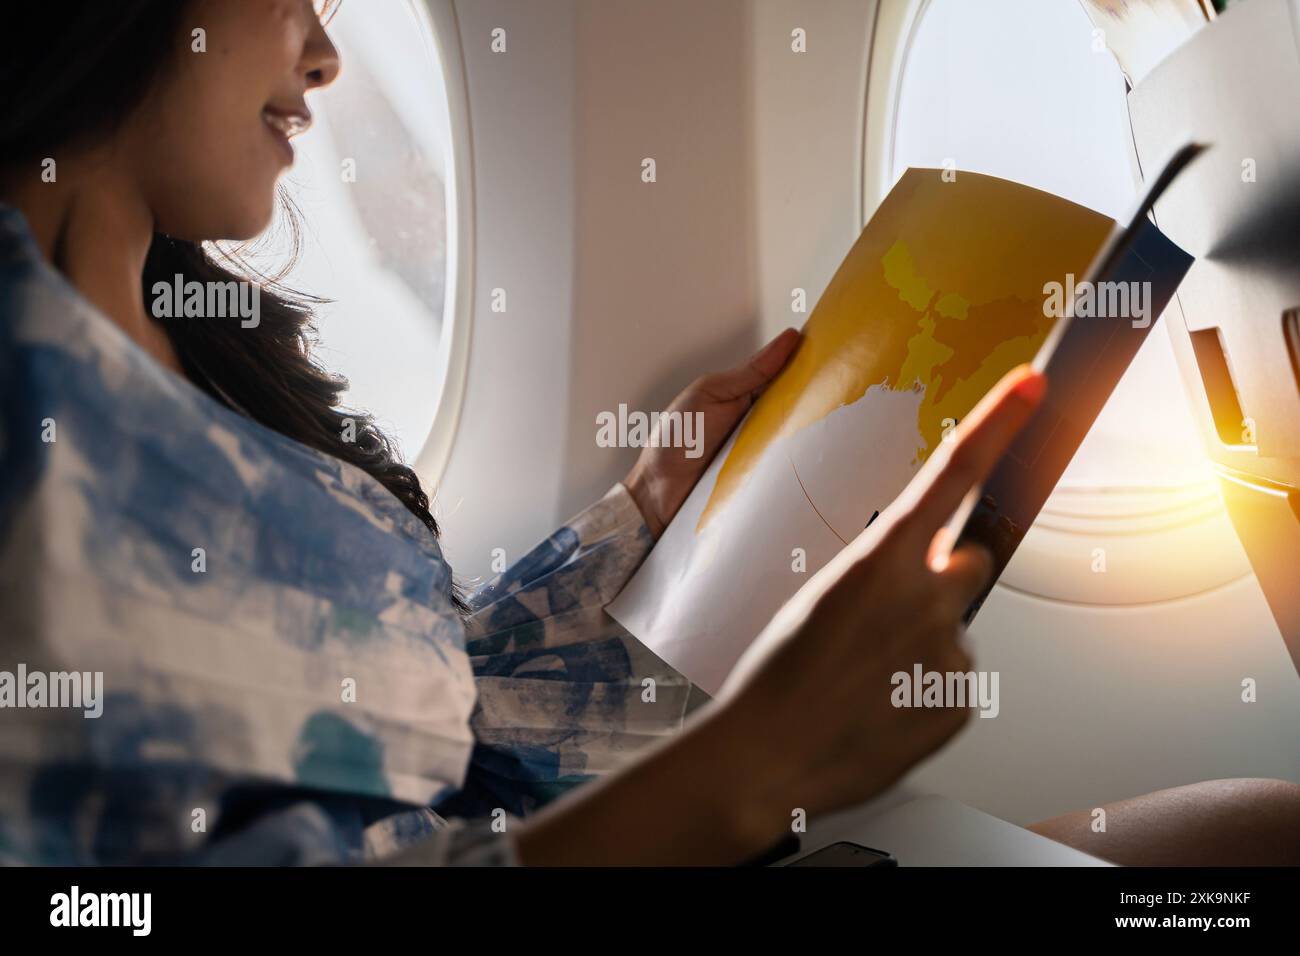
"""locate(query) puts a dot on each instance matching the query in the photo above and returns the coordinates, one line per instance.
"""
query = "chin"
(241, 230)
(248, 219)
(236, 204)
(232, 223)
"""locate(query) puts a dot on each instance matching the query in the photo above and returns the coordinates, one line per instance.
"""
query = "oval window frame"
(1133, 535)
(441, 28)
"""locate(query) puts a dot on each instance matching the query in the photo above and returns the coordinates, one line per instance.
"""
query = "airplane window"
(1017, 89)
(373, 182)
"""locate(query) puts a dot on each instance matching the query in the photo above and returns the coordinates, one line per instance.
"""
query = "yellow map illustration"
(942, 293)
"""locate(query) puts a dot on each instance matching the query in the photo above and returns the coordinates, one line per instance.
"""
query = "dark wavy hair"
(70, 72)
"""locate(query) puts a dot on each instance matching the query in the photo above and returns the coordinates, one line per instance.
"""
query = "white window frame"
(1141, 529)
(443, 31)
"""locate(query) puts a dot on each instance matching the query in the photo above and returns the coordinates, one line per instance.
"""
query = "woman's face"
(211, 139)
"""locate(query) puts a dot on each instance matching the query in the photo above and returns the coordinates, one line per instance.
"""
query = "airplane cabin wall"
(622, 291)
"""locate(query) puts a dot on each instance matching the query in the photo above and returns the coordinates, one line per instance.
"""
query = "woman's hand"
(806, 720)
(662, 477)
(812, 695)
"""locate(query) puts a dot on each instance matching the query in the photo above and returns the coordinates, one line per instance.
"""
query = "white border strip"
(442, 25)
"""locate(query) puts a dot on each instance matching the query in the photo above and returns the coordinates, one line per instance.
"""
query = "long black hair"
(70, 72)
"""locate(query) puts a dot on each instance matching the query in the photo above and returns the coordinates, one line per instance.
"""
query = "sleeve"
(311, 834)
(424, 838)
(565, 693)
(259, 825)
(334, 832)
(329, 833)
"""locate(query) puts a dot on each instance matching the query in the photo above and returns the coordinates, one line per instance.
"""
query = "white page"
(941, 295)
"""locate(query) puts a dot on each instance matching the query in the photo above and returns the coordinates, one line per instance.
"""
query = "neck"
(95, 229)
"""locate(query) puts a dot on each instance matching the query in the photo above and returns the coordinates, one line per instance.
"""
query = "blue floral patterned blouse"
(266, 632)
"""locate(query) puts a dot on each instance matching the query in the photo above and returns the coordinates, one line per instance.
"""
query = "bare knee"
(1245, 822)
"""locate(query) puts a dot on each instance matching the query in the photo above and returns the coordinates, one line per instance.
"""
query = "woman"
(252, 595)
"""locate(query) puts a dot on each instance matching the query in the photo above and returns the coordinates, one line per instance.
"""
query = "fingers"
(982, 439)
(965, 576)
(941, 546)
(751, 377)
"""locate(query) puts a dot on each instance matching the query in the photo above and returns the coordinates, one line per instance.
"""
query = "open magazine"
(954, 281)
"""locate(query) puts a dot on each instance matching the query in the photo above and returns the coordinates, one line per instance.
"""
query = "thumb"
(751, 377)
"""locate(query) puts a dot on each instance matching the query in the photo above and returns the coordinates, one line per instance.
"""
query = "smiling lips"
(290, 124)
(286, 124)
